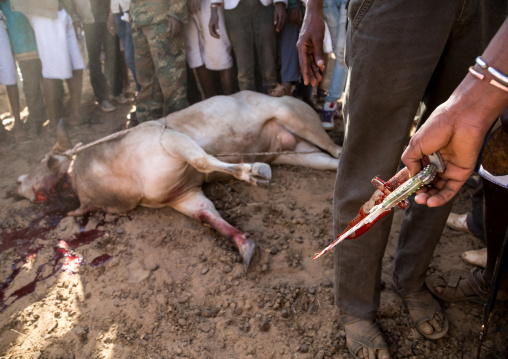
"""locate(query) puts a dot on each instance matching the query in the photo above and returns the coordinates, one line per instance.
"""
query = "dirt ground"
(155, 284)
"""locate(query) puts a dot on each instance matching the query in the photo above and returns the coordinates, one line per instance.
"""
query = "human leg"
(168, 54)
(50, 89)
(377, 128)
(75, 85)
(31, 70)
(265, 43)
(8, 76)
(240, 33)
(290, 69)
(216, 53)
(194, 52)
(114, 63)
(124, 30)
(149, 99)
(336, 18)
(228, 81)
(475, 219)
(205, 80)
(75, 82)
(421, 225)
(13, 95)
(94, 42)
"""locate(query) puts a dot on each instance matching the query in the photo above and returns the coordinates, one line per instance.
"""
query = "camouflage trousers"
(161, 71)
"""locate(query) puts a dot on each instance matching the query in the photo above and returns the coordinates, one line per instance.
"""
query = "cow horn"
(63, 142)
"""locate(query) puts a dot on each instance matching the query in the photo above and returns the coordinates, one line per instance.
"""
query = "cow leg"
(182, 146)
(198, 206)
(312, 131)
(317, 160)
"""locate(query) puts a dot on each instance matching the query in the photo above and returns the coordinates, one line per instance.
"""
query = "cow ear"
(63, 142)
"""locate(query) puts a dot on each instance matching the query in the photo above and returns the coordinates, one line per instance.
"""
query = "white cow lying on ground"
(165, 162)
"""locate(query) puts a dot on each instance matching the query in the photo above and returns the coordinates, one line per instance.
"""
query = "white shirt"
(231, 4)
(118, 6)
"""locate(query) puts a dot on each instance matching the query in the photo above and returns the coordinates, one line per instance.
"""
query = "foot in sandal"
(364, 339)
(425, 312)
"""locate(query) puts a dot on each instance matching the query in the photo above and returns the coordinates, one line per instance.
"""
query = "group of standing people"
(47, 42)
(158, 41)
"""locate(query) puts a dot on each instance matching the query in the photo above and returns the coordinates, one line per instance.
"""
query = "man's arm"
(458, 127)
(213, 24)
(177, 17)
(310, 43)
(279, 14)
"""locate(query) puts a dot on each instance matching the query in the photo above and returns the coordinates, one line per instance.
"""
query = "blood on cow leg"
(197, 206)
(247, 247)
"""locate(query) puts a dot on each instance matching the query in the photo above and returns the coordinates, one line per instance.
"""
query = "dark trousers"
(399, 53)
(99, 39)
(31, 70)
(252, 33)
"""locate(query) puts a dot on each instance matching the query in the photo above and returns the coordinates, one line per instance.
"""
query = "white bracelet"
(481, 63)
(499, 76)
(495, 73)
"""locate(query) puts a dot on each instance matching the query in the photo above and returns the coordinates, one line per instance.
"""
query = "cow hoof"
(247, 251)
(261, 173)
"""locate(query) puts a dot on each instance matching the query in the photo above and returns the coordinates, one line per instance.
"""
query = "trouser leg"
(290, 68)
(124, 30)
(340, 69)
(94, 43)
(168, 56)
(149, 99)
(114, 63)
(240, 32)
(31, 70)
(389, 74)
(422, 226)
(265, 39)
(475, 218)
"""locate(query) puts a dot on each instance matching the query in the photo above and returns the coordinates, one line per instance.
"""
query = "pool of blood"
(61, 201)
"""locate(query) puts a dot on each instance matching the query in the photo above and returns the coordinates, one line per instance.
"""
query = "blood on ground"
(23, 240)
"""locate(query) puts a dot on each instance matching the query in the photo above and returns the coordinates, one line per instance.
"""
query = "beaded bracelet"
(496, 74)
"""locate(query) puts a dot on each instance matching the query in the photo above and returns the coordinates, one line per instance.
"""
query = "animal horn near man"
(165, 162)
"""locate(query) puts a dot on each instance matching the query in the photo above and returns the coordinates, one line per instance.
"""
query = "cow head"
(37, 185)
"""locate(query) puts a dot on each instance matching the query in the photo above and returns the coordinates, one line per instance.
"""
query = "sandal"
(423, 302)
(279, 90)
(355, 342)
(460, 286)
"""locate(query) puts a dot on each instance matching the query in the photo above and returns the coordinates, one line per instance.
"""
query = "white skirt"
(7, 65)
(57, 45)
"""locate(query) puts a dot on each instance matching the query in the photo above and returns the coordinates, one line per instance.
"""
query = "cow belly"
(163, 190)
